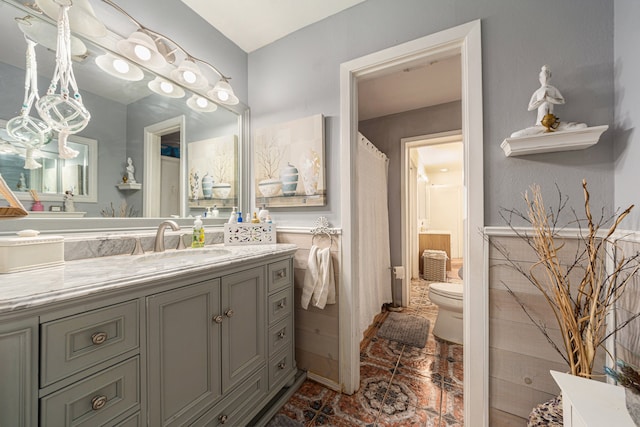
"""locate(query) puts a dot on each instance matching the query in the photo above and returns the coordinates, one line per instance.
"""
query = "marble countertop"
(89, 276)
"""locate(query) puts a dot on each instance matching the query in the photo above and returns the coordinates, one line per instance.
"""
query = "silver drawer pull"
(98, 402)
(281, 335)
(282, 365)
(218, 318)
(281, 274)
(282, 304)
(223, 419)
(229, 313)
(99, 338)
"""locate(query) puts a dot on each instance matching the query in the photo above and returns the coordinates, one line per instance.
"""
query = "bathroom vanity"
(199, 337)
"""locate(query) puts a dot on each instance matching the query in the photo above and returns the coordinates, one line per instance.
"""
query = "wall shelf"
(129, 186)
(551, 142)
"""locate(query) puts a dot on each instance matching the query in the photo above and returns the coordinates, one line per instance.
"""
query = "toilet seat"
(447, 290)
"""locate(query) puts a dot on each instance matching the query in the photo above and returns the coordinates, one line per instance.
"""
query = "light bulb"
(120, 66)
(189, 76)
(202, 103)
(166, 87)
(223, 95)
(142, 52)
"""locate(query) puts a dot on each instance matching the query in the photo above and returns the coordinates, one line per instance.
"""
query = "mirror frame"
(104, 224)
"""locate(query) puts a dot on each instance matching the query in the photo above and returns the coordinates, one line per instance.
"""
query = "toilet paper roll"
(398, 272)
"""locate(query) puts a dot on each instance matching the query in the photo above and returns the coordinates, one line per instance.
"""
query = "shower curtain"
(374, 262)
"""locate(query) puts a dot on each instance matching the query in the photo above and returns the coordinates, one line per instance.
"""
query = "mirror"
(127, 122)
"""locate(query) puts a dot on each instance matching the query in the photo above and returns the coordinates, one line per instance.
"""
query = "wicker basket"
(434, 265)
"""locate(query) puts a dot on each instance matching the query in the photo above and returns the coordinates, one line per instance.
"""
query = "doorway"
(466, 41)
(152, 196)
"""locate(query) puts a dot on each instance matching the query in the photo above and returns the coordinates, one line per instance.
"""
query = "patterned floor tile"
(419, 418)
(452, 410)
(382, 352)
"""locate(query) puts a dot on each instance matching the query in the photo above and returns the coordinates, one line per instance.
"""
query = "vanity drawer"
(280, 335)
(95, 400)
(279, 274)
(229, 411)
(280, 305)
(280, 366)
(77, 342)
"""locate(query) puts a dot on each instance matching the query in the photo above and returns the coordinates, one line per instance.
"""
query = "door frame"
(465, 40)
(152, 165)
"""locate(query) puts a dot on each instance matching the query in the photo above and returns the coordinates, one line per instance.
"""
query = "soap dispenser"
(215, 212)
(240, 216)
(233, 218)
(197, 240)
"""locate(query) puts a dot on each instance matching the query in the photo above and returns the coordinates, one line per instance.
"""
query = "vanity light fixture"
(188, 74)
(201, 104)
(46, 35)
(118, 67)
(165, 88)
(82, 18)
(141, 48)
(223, 92)
(145, 44)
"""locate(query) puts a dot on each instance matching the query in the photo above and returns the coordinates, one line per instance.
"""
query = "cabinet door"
(18, 373)
(244, 325)
(184, 352)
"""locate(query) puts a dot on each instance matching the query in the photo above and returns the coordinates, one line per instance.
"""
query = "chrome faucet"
(159, 244)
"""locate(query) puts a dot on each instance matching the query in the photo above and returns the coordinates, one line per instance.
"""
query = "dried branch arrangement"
(580, 308)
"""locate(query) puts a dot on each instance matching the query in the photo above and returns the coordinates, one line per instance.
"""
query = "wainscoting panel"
(628, 339)
(317, 331)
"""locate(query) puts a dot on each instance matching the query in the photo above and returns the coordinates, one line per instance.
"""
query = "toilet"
(448, 298)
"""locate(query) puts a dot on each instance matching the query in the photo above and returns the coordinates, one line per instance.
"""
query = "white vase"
(309, 175)
(270, 187)
(221, 190)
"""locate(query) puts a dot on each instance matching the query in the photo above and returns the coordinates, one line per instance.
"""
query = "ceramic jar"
(289, 178)
(207, 186)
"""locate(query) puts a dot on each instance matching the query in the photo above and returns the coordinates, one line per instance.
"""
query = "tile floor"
(400, 385)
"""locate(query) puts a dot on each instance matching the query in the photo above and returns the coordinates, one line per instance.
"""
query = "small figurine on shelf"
(22, 186)
(68, 201)
(130, 170)
(543, 100)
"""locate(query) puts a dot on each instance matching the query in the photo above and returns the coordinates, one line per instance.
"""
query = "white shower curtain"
(373, 237)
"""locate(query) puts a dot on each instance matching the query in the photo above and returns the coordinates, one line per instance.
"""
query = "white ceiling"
(252, 24)
(448, 156)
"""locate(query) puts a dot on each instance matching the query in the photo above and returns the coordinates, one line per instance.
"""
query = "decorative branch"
(579, 309)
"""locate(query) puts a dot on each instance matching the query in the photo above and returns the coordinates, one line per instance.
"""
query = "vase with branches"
(580, 307)
(222, 163)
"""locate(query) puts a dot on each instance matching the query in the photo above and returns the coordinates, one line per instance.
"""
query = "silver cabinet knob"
(98, 402)
(229, 313)
(218, 318)
(281, 335)
(99, 338)
(281, 274)
(282, 365)
(223, 419)
(282, 304)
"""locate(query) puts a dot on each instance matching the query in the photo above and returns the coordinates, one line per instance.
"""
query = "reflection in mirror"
(122, 111)
(54, 176)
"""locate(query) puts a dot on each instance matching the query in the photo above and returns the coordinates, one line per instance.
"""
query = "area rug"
(281, 420)
(405, 329)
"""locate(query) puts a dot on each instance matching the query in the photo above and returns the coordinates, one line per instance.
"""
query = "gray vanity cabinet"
(204, 340)
(19, 373)
(184, 361)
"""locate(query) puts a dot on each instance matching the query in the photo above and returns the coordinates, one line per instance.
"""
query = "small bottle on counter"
(215, 212)
(197, 240)
(233, 218)
(240, 216)
(255, 219)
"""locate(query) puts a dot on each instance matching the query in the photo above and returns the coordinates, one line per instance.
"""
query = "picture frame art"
(289, 164)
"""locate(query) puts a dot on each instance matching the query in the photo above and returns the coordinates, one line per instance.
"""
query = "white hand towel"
(325, 290)
(310, 277)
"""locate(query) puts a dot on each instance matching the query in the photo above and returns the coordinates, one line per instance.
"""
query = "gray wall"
(386, 132)
(298, 76)
(627, 108)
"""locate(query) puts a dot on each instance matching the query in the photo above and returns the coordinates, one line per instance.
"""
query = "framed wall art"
(289, 163)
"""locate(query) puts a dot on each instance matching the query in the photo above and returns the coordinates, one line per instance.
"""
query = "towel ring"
(323, 233)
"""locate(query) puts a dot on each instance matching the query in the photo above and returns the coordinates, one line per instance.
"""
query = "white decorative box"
(249, 234)
(28, 253)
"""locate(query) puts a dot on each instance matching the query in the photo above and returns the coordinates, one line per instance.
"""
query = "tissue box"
(244, 233)
(29, 253)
